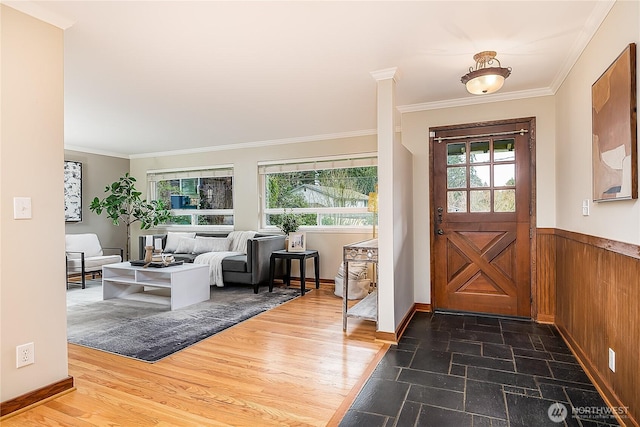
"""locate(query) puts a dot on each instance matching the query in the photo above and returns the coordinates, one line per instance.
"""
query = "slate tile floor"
(462, 370)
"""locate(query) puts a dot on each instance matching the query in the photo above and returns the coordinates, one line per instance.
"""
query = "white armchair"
(84, 255)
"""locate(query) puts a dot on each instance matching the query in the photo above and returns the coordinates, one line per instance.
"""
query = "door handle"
(439, 218)
(440, 231)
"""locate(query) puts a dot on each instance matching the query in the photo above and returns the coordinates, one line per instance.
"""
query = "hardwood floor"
(292, 365)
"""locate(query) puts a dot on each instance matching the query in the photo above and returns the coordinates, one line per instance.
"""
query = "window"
(324, 192)
(197, 197)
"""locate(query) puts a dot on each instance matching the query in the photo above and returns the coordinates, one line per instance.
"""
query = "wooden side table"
(300, 256)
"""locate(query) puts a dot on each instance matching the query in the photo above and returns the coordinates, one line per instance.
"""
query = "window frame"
(218, 171)
(319, 163)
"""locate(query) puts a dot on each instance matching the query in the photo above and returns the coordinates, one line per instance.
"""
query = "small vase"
(286, 243)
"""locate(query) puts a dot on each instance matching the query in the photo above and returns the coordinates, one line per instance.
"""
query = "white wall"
(246, 187)
(415, 136)
(612, 220)
(32, 270)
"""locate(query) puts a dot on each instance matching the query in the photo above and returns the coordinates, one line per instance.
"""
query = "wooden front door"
(481, 199)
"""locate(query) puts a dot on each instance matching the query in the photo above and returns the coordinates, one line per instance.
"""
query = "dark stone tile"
(360, 419)
(527, 328)
(483, 328)
(487, 337)
(434, 345)
(386, 371)
(568, 372)
(553, 392)
(526, 365)
(434, 335)
(488, 321)
(437, 397)
(553, 381)
(408, 343)
(512, 389)
(566, 358)
(495, 422)
(525, 411)
(532, 353)
(484, 399)
(398, 358)
(433, 416)
(458, 370)
(447, 322)
(586, 399)
(480, 421)
(430, 379)
(517, 340)
(388, 403)
(498, 351)
(409, 414)
(483, 362)
(465, 347)
(501, 377)
(533, 392)
(431, 360)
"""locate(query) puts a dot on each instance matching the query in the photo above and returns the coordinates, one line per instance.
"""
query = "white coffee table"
(189, 283)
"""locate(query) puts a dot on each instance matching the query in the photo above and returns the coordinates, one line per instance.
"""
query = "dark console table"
(300, 256)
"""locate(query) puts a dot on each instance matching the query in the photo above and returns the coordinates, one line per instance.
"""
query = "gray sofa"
(250, 269)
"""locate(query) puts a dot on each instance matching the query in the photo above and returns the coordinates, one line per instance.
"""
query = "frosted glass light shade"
(485, 80)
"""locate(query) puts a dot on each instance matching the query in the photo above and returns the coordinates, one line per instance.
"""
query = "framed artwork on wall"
(72, 191)
(614, 130)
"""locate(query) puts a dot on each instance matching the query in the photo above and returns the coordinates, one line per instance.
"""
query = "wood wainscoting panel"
(545, 289)
(597, 308)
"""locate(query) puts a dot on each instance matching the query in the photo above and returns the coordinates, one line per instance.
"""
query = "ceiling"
(153, 76)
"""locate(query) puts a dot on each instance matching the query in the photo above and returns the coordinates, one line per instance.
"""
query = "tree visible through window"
(321, 196)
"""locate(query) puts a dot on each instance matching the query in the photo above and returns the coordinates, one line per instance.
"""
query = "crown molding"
(386, 74)
(257, 144)
(39, 12)
(94, 151)
(599, 13)
(476, 100)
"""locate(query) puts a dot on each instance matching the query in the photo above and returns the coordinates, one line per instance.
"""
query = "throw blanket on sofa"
(214, 260)
(238, 246)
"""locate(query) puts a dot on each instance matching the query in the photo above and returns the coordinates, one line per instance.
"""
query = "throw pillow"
(185, 246)
(211, 244)
(173, 238)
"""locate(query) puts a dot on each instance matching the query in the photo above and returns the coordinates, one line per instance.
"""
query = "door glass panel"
(504, 201)
(479, 176)
(504, 175)
(456, 154)
(456, 201)
(457, 177)
(504, 150)
(480, 201)
(479, 152)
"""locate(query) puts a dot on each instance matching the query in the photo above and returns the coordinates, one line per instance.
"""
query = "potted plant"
(289, 224)
(125, 205)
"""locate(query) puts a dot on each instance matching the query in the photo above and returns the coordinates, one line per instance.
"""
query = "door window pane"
(504, 175)
(504, 150)
(479, 176)
(479, 152)
(504, 201)
(480, 201)
(456, 201)
(456, 154)
(457, 177)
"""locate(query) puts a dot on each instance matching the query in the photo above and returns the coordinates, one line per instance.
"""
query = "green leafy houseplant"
(289, 223)
(124, 205)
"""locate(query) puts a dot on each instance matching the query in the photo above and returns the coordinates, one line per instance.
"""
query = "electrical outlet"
(25, 355)
(612, 360)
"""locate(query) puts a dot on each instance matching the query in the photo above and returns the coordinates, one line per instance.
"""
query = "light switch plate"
(22, 208)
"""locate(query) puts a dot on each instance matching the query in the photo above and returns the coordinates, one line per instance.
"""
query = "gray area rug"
(143, 327)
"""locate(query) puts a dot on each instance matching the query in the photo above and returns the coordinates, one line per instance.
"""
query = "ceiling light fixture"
(485, 78)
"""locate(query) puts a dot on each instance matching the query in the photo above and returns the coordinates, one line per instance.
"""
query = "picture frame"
(72, 191)
(297, 242)
(614, 130)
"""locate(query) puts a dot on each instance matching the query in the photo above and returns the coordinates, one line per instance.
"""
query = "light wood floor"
(292, 365)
